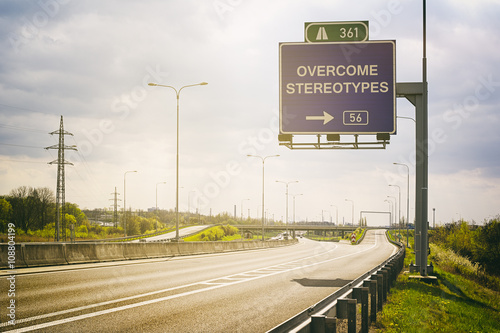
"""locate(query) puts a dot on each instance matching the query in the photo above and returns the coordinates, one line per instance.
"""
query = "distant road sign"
(336, 31)
(337, 88)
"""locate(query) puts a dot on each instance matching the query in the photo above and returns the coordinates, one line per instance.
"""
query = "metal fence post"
(372, 285)
(323, 324)
(361, 295)
(346, 309)
(384, 284)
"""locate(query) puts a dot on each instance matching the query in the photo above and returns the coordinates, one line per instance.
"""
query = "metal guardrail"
(369, 288)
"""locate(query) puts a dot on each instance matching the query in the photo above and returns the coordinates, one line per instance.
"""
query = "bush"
(81, 232)
(229, 230)
(480, 245)
(452, 262)
(486, 248)
(460, 239)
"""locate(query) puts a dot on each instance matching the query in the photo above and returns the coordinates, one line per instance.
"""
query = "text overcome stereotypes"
(339, 71)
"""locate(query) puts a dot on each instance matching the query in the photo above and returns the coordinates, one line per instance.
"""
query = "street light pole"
(399, 207)
(263, 160)
(189, 203)
(407, 201)
(294, 195)
(125, 203)
(286, 194)
(156, 205)
(336, 213)
(395, 202)
(177, 93)
(390, 215)
(352, 217)
(242, 208)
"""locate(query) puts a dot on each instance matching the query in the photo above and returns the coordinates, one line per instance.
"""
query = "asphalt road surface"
(171, 235)
(248, 291)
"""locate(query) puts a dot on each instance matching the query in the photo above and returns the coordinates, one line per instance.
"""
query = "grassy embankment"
(464, 298)
(217, 233)
(226, 233)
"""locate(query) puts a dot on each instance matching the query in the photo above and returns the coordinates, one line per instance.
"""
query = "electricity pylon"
(61, 187)
(115, 208)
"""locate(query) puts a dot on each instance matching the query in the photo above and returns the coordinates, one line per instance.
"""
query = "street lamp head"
(203, 83)
(152, 84)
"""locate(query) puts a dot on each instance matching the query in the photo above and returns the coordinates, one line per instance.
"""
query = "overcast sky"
(90, 61)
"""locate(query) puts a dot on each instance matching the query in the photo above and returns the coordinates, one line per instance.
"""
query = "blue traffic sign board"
(338, 88)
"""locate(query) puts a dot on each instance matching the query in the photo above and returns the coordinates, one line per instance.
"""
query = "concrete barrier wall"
(46, 254)
(81, 253)
(109, 251)
(157, 250)
(6, 254)
(134, 251)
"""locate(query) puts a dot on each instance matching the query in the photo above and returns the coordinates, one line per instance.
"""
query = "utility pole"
(61, 187)
(115, 208)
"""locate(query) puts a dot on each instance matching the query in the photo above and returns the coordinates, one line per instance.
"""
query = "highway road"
(248, 291)
(171, 235)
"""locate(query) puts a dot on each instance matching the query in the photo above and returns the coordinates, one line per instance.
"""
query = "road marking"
(211, 286)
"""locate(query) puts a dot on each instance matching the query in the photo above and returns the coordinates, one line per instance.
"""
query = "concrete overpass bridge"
(293, 228)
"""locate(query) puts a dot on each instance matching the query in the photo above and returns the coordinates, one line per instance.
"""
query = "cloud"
(91, 62)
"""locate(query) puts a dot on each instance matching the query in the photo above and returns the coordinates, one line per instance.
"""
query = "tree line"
(481, 244)
(33, 212)
(31, 208)
(28, 208)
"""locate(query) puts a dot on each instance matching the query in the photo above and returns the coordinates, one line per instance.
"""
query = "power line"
(20, 161)
(14, 145)
(96, 188)
(19, 128)
(20, 108)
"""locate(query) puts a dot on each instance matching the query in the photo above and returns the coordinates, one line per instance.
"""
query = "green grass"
(453, 304)
(217, 233)
(458, 302)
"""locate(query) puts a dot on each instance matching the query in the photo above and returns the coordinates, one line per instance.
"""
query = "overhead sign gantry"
(337, 82)
(316, 98)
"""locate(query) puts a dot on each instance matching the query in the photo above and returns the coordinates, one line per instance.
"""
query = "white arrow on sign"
(326, 117)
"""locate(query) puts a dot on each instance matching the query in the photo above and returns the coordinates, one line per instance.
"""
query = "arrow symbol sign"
(326, 117)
